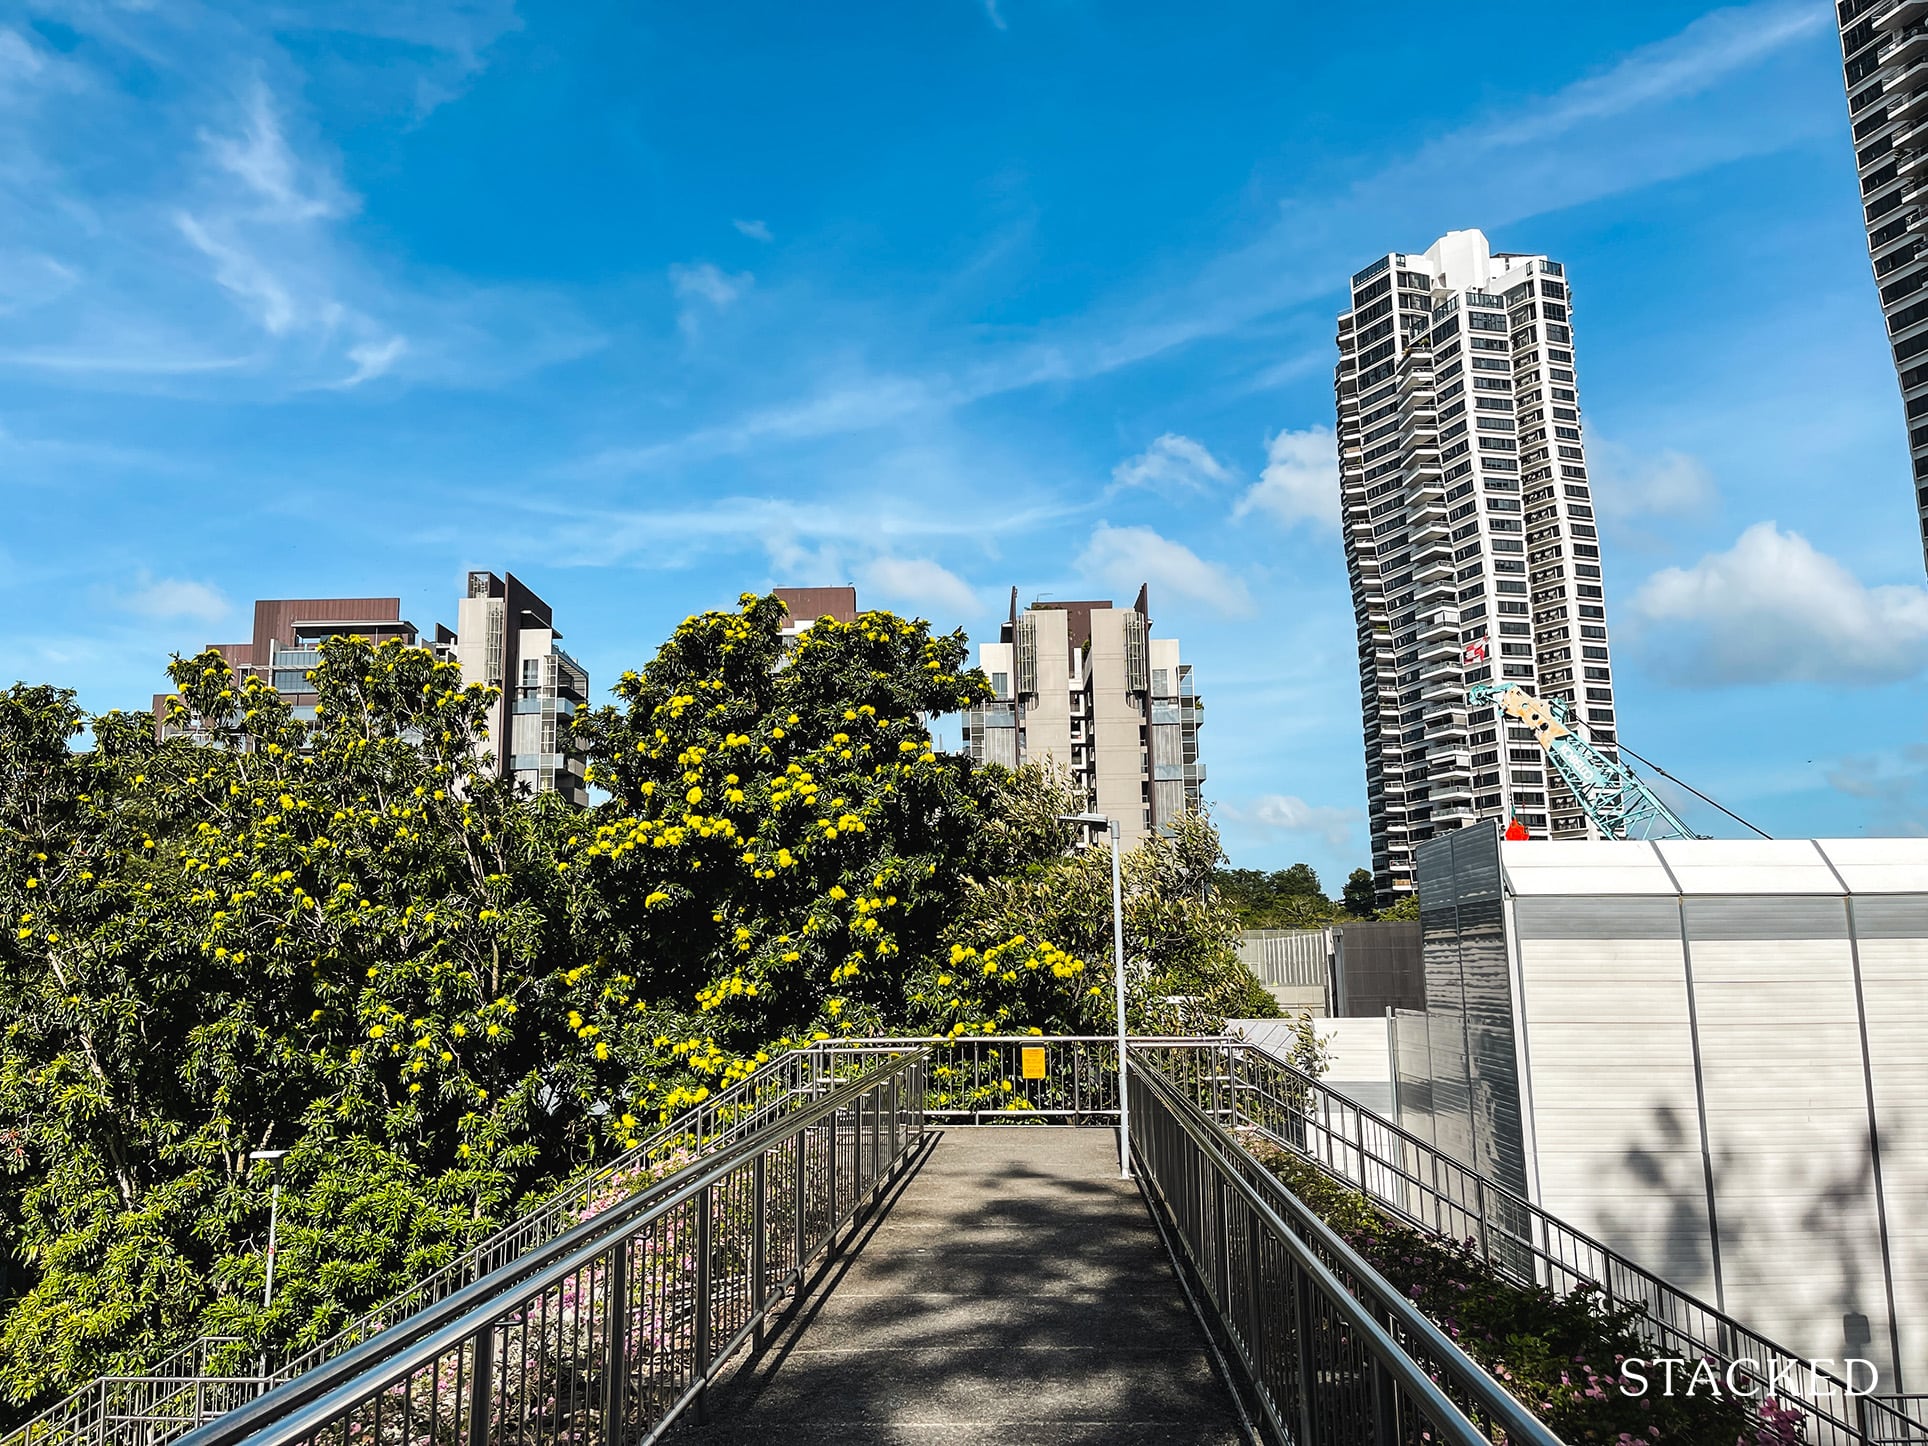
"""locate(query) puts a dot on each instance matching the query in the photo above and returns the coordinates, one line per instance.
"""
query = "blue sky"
(652, 304)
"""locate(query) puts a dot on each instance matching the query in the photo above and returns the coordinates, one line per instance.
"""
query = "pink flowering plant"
(1560, 1355)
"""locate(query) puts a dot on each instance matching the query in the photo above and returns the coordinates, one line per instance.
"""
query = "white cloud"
(169, 597)
(1171, 463)
(755, 230)
(991, 11)
(707, 284)
(1773, 609)
(372, 359)
(262, 160)
(919, 581)
(246, 276)
(1288, 813)
(1124, 557)
(1300, 482)
(1627, 484)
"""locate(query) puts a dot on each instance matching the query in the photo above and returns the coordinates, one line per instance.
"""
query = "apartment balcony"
(1910, 46)
(1430, 526)
(1913, 74)
(1903, 13)
(1906, 109)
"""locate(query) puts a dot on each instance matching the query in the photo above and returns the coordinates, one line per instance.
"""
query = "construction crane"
(1613, 795)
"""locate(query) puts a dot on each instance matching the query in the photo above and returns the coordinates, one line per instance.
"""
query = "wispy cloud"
(705, 285)
(921, 583)
(822, 530)
(755, 230)
(372, 359)
(1629, 485)
(1124, 557)
(168, 598)
(260, 157)
(1619, 130)
(1287, 813)
(229, 189)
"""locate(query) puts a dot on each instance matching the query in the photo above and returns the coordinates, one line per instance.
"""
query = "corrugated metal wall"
(1730, 1087)
(1285, 956)
(1469, 1004)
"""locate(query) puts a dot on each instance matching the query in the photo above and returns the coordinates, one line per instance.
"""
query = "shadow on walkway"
(1013, 1291)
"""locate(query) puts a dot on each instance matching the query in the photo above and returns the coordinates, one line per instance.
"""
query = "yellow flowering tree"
(782, 842)
(335, 936)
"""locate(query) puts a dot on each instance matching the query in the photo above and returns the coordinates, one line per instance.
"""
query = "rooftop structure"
(287, 636)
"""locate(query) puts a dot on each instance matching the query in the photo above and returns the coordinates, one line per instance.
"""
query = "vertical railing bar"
(700, 1352)
(759, 1264)
(616, 1308)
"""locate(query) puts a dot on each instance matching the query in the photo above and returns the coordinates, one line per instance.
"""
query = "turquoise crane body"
(1614, 796)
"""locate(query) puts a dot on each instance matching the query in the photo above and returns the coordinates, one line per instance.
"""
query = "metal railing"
(1333, 1354)
(175, 1396)
(1243, 1088)
(1066, 1079)
(612, 1330)
(198, 1382)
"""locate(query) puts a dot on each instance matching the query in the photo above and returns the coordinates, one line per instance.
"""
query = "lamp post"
(1110, 826)
(273, 1158)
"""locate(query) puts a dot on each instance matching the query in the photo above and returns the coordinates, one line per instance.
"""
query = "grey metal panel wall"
(1892, 945)
(1449, 1072)
(1378, 966)
(1469, 992)
(1785, 1086)
(1285, 956)
(1413, 1075)
(1616, 1128)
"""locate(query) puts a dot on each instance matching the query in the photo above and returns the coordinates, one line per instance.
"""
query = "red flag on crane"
(1516, 831)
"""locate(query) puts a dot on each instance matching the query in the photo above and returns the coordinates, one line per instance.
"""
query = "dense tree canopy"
(343, 938)
(1293, 898)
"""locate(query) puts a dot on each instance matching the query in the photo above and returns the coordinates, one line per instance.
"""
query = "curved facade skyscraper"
(1470, 540)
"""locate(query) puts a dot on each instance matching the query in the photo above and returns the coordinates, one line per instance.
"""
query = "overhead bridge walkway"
(1009, 1288)
(835, 1250)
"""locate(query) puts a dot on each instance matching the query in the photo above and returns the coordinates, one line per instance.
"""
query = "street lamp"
(273, 1158)
(1110, 826)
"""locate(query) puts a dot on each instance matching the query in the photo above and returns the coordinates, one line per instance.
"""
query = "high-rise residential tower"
(1470, 540)
(1884, 52)
(506, 637)
(1086, 686)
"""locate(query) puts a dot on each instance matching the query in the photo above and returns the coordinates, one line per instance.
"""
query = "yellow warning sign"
(1032, 1058)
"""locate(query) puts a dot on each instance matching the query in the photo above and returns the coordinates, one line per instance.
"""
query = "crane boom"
(1614, 796)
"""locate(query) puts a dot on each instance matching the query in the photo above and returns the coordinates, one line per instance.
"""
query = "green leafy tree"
(342, 937)
(1289, 898)
(320, 937)
(1033, 946)
(1360, 894)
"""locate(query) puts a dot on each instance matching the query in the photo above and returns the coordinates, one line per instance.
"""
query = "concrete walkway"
(1014, 1291)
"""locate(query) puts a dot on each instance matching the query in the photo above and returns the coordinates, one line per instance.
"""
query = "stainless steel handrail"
(118, 1410)
(1333, 1352)
(1244, 1087)
(618, 1325)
